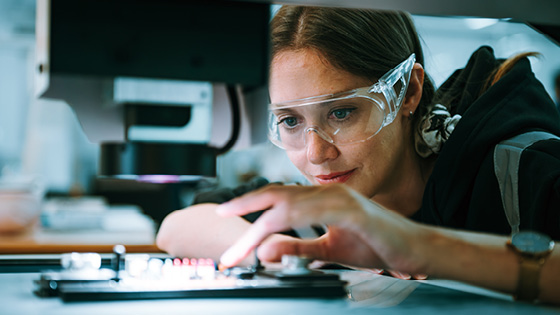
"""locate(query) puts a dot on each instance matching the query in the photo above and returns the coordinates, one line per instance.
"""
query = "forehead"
(305, 73)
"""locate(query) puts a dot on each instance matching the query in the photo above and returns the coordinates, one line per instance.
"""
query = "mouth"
(338, 177)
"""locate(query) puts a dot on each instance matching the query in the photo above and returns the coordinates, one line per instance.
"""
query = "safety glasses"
(341, 118)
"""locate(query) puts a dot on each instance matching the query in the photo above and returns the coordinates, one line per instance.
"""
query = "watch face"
(532, 242)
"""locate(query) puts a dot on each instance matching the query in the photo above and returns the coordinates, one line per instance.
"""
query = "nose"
(319, 150)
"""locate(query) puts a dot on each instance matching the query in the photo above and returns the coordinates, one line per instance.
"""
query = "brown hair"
(366, 43)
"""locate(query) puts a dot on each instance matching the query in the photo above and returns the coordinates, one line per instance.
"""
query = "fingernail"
(222, 268)
(377, 271)
(421, 277)
(403, 276)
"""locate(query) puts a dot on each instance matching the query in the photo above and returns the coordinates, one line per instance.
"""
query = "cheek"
(373, 157)
(364, 154)
(298, 158)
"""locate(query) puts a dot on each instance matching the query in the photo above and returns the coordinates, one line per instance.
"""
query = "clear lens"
(339, 121)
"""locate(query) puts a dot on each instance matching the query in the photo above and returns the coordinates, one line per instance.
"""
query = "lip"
(337, 177)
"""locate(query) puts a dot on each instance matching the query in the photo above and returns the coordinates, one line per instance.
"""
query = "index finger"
(260, 199)
(256, 233)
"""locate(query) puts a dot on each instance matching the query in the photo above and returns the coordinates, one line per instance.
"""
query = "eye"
(341, 113)
(289, 122)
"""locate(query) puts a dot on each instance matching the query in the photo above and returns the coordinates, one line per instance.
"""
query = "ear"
(414, 91)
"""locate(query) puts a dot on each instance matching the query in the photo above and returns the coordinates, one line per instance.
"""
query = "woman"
(399, 162)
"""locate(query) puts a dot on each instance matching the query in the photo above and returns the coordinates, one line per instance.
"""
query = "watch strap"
(528, 282)
(529, 274)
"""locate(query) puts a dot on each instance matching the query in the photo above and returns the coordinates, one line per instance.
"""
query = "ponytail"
(505, 67)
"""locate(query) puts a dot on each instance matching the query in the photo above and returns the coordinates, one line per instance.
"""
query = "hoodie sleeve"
(222, 195)
(539, 188)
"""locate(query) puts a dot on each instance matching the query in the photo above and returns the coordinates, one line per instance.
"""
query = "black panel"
(219, 41)
(145, 158)
(156, 115)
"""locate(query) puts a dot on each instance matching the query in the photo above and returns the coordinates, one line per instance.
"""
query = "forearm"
(482, 260)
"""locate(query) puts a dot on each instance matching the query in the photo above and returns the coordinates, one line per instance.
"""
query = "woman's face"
(370, 167)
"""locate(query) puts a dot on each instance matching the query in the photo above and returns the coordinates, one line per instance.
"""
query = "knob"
(118, 251)
(295, 265)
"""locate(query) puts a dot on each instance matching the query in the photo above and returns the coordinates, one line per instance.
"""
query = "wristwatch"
(532, 249)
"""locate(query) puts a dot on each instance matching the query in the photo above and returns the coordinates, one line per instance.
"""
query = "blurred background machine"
(143, 78)
(137, 74)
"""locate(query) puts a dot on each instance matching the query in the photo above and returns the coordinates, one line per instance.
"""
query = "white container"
(20, 203)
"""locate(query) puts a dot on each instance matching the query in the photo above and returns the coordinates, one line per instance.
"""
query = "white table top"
(376, 294)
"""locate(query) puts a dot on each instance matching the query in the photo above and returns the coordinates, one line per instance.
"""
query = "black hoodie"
(462, 191)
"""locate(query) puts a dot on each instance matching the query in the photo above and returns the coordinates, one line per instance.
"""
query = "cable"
(233, 96)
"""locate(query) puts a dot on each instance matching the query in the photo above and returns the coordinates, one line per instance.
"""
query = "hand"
(273, 253)
(360, 232)
(336, 245)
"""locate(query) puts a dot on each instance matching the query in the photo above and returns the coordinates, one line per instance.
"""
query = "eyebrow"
(283, 110)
